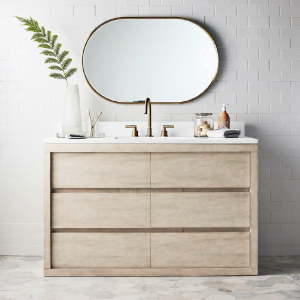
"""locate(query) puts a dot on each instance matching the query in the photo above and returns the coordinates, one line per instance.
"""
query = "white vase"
(71, 122)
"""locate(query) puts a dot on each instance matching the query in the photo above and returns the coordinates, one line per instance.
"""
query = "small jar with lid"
(203, 122)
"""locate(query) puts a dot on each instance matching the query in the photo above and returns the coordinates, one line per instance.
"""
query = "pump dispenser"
(224, 119)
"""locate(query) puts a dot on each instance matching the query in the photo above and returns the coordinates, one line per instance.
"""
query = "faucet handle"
(164, 132)
(135, 133)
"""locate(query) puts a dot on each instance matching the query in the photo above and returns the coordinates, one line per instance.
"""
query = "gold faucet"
(148, 111)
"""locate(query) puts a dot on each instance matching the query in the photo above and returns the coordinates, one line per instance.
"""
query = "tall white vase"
(71, 122)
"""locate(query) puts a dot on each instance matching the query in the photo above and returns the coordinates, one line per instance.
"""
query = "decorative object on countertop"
(224, 132)
(224, 119)
(71, 123)
(91, 124)
(202, 123)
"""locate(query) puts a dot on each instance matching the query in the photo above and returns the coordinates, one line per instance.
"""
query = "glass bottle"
(203, 122)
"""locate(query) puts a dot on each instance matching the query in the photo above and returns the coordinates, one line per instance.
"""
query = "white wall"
(259, 45)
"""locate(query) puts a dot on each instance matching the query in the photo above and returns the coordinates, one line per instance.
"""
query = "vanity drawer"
(100, 210)
(200, 170)
(191, 209)
(100, 170)
(200, 250)
(101, 250)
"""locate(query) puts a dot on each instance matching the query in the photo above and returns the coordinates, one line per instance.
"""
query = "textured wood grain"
(254, 210)
(150, 272)
(200, 170)
(47, 210)
(148, 148)
(101, 250)
(101, 210)
(210, 250)
(100, 170)
(200, 209)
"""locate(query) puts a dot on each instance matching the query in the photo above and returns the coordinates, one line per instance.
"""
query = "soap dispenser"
(224, 119)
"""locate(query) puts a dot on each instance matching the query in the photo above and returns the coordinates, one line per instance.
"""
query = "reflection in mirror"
(169, 60)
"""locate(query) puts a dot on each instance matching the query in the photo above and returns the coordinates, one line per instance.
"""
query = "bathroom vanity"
(150, 207)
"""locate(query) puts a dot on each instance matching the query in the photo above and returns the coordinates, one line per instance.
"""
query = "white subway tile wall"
(259, 46)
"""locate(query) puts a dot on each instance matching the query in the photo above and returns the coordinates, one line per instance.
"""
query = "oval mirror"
(169, 60)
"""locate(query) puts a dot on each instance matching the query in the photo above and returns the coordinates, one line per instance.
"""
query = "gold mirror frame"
(114, 19)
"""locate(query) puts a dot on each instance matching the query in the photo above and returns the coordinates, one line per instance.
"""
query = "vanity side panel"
(101, 250)
(101, 170)
(101, 210)
(254, 211)
(47, 210)
(200, 250)
(200, 170)
(192, 209)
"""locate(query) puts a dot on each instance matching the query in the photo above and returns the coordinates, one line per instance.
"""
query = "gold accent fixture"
(135, 133)
(139, 102)
(148, 111)
(164, 132)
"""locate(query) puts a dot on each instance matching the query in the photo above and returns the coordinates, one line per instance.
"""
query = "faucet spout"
(148, 111)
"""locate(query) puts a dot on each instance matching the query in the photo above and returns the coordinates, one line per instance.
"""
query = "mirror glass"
(169, 60)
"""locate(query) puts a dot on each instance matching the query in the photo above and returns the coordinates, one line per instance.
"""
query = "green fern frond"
(49, 36)
(57, 76)
(56, 68)
(37, 35)
(46, 46)
(48, 53)
(66, 63)
(53, 41)
(70, 72)
(51, 60)
(57, 48)
(40, 40)
(63, 55)
(48, 42)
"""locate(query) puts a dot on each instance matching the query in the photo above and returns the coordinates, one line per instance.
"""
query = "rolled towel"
(224, 132)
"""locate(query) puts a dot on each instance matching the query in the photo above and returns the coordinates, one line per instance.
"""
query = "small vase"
(71, 123)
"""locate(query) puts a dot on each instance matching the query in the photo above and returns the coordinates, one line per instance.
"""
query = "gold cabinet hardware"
(164, 132)
(135, 133)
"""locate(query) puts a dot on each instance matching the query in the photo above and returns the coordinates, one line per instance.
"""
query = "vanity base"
(151, 272)
(150, 210)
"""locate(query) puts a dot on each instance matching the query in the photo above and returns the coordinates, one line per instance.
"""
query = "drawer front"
(224, 209)
(100, 170)
(200, 250)
(101, 210)
(200, 170)
(101, 250)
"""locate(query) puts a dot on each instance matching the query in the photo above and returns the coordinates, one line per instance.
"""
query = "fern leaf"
(53, 40)
(46, 46)
(31, 28)
(57, 48)
(56, 68)
(63, 55)
(48, 53)
(43, 30)
(66, 63)
(37, 35)
(51, 60)
(57, 76)
(41, 40)
(70, 72)
(49, 36)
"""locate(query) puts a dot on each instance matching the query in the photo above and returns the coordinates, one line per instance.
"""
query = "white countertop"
(153, 140)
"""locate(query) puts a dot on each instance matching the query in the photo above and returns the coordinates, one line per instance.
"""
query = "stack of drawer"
(151, 211)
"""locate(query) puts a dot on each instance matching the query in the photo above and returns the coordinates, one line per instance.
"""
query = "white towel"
(223, 132)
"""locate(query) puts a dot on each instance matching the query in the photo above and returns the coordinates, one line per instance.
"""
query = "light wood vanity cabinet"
(150, 209)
